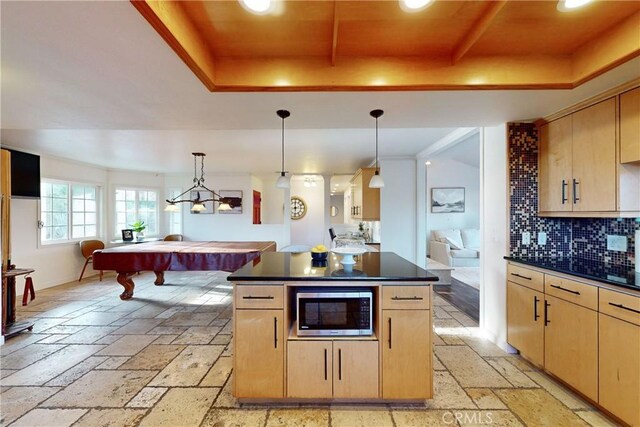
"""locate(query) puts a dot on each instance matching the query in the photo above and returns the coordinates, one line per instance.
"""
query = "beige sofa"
(455, 247)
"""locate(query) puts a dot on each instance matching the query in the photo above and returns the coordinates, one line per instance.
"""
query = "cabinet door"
(259, 353)
(554, 163)
(355, 369)
(619, 346)
(630, 126)
(309, 369)
(525, 322)
(406, 354)
(594, 158)
(571, 345)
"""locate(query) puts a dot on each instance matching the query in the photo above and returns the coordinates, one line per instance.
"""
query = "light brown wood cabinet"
(525, 322)
(310, 369)
(355, 369)
(630, 126)
(365, 201)
(260, 353)
(554, 166)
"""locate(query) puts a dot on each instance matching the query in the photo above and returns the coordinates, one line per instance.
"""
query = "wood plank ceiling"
(320, 45)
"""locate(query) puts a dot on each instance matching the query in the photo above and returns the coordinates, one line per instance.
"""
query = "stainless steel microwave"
(331, 311)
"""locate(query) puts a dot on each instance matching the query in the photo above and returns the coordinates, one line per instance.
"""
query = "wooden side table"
(9, 325)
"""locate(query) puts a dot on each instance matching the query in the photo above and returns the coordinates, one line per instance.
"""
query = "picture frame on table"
(447, 200)
(127, 235)
(236, 207)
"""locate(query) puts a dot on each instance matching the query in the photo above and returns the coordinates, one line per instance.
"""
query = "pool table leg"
(159, 278)
(124, 278)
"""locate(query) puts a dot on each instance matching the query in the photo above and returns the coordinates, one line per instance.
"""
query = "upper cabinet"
(580, 168)
(365, 201)
(630, 126)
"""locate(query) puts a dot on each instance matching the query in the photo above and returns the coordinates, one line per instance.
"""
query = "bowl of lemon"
(319, 253)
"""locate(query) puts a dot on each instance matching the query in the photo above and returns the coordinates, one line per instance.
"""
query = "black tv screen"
(25, 175)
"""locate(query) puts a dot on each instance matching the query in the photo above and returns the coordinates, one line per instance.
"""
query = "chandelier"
(197, 202)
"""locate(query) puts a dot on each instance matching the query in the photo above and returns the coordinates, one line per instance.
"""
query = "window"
(175, 218)
(68, 211)
(133, 205)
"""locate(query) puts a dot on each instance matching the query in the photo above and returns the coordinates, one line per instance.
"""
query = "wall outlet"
(526, 238)
(616, 243)
(542, 238)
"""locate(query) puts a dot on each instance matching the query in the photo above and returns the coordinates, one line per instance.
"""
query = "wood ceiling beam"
(169, 19)
(336, 23)
(476, 31)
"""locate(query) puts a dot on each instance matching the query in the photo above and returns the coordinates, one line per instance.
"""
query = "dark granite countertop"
(612, 274)
(371, 266)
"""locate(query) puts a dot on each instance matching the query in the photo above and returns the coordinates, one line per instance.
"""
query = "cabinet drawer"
(259, 296)
(405, 297)
(621, 306)
(572, 291)
(526, 277)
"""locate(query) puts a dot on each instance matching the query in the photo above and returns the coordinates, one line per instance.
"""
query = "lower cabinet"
(260, 353)
(332, 369)
(571, 345)
(525, 322)
(406, 354)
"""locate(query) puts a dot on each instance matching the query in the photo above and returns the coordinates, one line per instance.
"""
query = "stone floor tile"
(219, 373)
(463, 319)
(225, 397)
(50, 417)
(486, 418)
(536, 407)
(235, 418)
(468, 368)
(447, 393)
(111, 418)
(51, 339)
(138, 326)
(559, 392)
(6, 372)
(520, 363)
(113, 362)
(440, 313)
(154, 357)
(361, 418)
(511, 373)
(20, 341)
(88, 335)
(77, 371)
(165, 339)
(180, 407)
(18, 401)
(437, 364)
(51, 366)
(595, 419)
(104, 389)
(108, 339)
(46, 323)
(189, 367)
(190, 319)
(422, 418)
(437, 340)
(147, 397)
(28, 355)
(197, 335)
(222, 339)
(485, 398)
(483, 346)
(298, 417)
(94, 318)
(64, 329)
(128, 345)
(167, 330)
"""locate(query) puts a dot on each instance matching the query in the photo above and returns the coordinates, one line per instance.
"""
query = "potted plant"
(138, 227)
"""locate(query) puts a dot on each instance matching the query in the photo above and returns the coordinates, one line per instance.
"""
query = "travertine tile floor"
(164, 359)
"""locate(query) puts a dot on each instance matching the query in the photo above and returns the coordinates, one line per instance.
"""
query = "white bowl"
(348, 252)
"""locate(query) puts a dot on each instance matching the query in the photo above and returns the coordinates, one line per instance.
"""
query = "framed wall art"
(236, 205)
(447, 200)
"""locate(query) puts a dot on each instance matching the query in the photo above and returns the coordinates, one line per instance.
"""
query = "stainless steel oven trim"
(335, 332)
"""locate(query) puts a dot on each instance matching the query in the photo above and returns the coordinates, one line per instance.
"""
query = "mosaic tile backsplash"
(578, 237)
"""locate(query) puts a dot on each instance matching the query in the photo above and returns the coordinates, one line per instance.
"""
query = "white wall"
(272, 201)
(309, 230)
(338, 202)
(450, 173)
(495, 231)
(398, 212)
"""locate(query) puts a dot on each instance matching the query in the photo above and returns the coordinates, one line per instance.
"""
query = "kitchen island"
(275, 359)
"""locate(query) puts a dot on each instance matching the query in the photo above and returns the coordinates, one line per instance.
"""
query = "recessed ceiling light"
(256, 6)
(414, 5)
(569, 5)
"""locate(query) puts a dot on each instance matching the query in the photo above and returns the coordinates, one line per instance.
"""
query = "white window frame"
(69, 239)
(174, 219)
(117, 232)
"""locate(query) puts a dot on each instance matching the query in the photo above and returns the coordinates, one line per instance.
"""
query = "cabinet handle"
(546, 313)
(624, 308)
(389, 332)
(575, 191)
(325, 364)
(535, 308)
(275, 332)
(254, 297)
(565, 289)
(564, 189)
(339, 364)
(521, 276)
(414, 298)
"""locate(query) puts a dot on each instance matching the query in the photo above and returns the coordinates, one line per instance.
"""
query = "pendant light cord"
(282, 170)
(377, 169)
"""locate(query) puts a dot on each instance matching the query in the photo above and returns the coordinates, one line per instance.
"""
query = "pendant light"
(283, 179)
(376, 180)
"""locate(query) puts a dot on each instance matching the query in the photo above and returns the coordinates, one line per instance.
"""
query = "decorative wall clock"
(298, 208)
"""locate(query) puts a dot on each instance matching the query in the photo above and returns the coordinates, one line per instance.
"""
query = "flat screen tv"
(25, 175)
